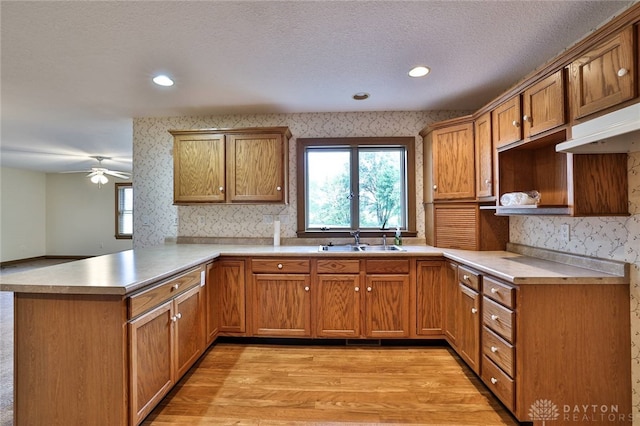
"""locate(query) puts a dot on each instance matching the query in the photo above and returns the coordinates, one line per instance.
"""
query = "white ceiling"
(74, 74)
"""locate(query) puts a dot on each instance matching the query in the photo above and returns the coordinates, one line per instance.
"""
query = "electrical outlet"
(267, 218)
(564, 232)
(284, 218)
(200, 221)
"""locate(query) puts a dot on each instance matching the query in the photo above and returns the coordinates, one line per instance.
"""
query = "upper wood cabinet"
(449, 160)
(543, 105)
(231, 165)
(604, 76)
(484, 156)
(507, 127)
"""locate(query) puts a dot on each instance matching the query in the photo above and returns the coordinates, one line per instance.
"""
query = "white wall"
(22, 214)
(80, 216)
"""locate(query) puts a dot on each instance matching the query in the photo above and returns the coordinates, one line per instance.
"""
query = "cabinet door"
(506, 122)
(543, 105)
(152, 359)
(469, 322)
(387, 306)
(338, 306)
(453, 163)
(429, 298)
(281, 305)
(212, 304)
(604, 76)
(256, 168)
(451, 303)
(484, 156)
(231, 283)
(198, 168)
(189, 329)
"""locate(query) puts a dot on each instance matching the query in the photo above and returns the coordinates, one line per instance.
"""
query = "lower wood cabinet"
(212, 304)
(468, 317)
(387, 298)
(450, 303)
(429, 298)
(281, 305)
(165, 341)
(337, 299)
(229, 278)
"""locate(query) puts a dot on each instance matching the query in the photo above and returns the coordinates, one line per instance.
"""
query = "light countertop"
(125, 272)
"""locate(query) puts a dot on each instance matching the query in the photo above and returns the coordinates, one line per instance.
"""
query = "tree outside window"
(355, 183)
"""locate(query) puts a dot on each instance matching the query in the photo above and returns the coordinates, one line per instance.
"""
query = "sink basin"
(381, 248)
(360, 248)
(342, 248)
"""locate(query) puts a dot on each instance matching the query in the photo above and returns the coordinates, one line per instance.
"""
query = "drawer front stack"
(499, 339)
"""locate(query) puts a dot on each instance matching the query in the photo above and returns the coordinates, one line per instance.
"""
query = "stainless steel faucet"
(356, 236)
(384, 241)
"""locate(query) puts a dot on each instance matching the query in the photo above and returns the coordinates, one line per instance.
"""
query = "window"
(124, 210)
(356, 183)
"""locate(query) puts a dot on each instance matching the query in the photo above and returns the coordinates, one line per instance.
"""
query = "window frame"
(407, 142)
(119, 235)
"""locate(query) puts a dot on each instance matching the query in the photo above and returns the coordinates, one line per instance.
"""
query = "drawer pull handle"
(494, 349)
(494, 317)
(175, 286)
(357, 288)
(494, 380)
(278, 188)
(515, 123)
(526, 118)
(279, 265)
(474, 310)
(465, 277)
(306, 288)
(369, 288)
(494, 290)
(622, 72)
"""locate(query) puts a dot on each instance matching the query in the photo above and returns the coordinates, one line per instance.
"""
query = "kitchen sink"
(381, 248)
(359, 248)
(341, 248)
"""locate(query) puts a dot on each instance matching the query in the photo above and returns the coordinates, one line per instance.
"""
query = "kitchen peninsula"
(102, 340)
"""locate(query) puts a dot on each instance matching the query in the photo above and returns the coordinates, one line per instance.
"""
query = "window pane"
(328, 183)
(125, 210)
(381, 188)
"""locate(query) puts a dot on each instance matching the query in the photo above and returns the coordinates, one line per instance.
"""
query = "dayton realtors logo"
(545, 410)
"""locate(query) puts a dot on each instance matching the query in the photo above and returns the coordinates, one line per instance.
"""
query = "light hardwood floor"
(247, 384)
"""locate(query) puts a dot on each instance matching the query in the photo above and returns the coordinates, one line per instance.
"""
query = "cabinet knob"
(278, 188)
(622, 72)
(465, 277)
(494, 349)
(515, 123)
(178, 315)
(221, 189)
(175, 286)
(487, 181)
(369, 289)
(474, 311)
(494, 380)
(435, 187)
(306, 288)
(174, 318)
(494, 317)
(279, 265)
(357, 289)
(494, 290)
(526, 118)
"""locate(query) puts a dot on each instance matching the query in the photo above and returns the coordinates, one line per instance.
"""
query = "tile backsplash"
(156, 217)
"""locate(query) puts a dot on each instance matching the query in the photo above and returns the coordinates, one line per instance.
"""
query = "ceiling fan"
(98, 174)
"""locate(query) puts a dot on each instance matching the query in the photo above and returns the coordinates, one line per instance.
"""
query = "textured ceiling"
(73, 74)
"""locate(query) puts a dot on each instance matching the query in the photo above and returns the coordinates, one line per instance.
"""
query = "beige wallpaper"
(156, 218)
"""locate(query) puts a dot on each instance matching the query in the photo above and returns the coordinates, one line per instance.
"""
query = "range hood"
(618, 131)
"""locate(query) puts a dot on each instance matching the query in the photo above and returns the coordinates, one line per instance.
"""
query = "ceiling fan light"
(95, 178)
(102, 179)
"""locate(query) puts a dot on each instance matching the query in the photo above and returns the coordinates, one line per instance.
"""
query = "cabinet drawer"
(498, 382)
(500, 352)
(333, 266)
(284, 266)
(498, 318)
(500, 292)
(391, 266)
(147, 299)
(469, 278)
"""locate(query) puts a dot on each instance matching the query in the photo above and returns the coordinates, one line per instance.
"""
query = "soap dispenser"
(398, 238)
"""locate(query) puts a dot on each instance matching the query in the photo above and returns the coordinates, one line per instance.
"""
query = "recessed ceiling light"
(162, 80)
(361, 96)
(420, 71)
